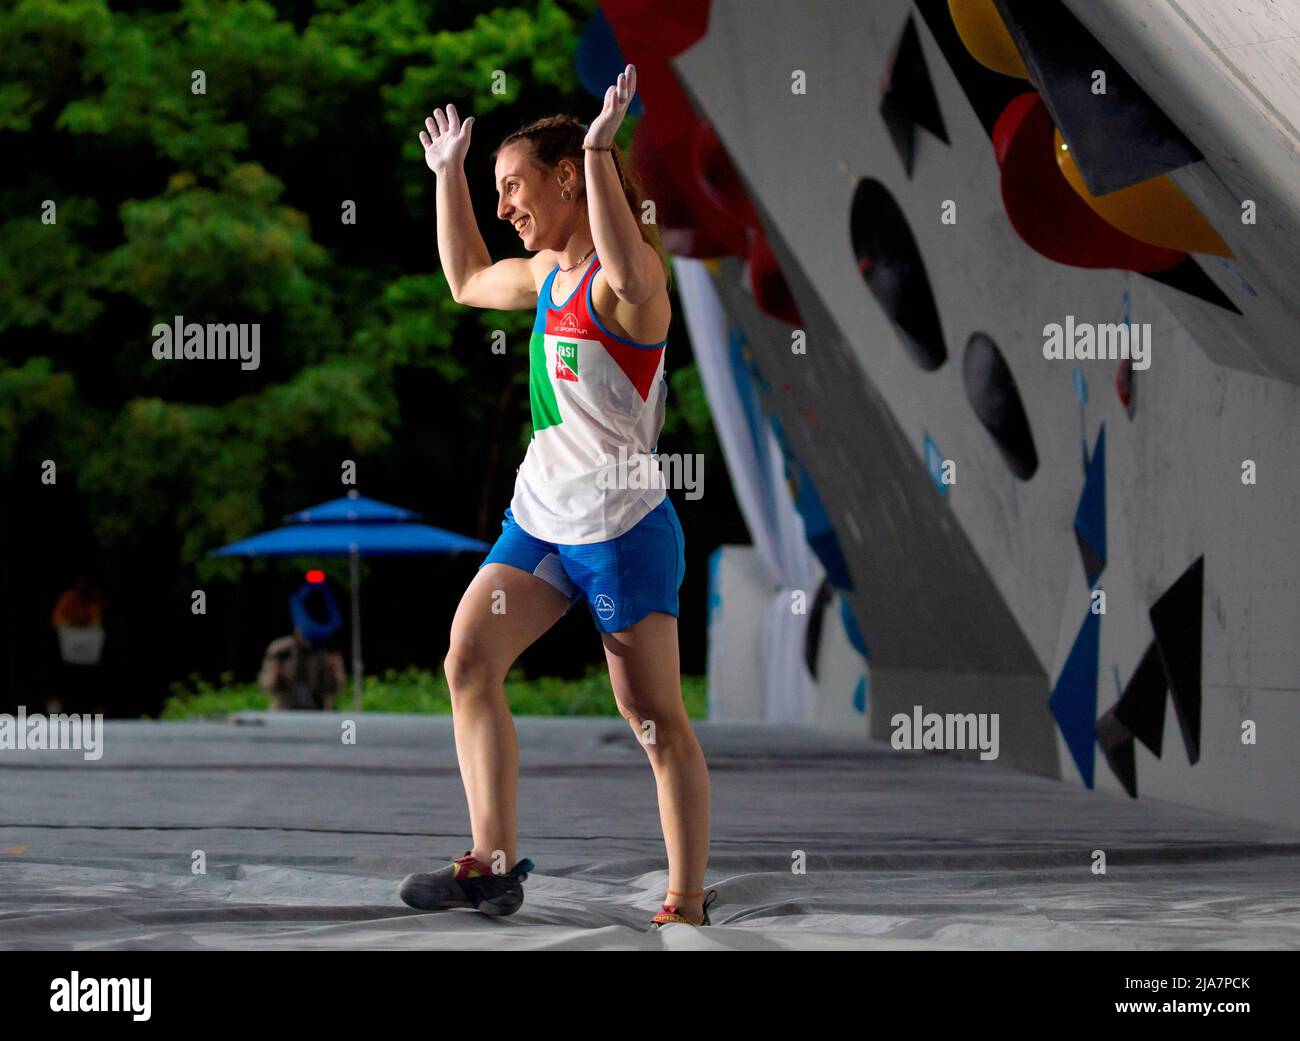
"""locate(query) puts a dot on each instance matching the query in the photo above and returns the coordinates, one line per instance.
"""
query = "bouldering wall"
(1100, 550)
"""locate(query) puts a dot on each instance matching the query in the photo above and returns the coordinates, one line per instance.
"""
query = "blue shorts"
(622, 580)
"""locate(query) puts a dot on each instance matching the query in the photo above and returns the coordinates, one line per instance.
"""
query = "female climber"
(577, 528)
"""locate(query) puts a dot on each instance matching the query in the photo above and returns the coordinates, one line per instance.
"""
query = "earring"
(566, 195)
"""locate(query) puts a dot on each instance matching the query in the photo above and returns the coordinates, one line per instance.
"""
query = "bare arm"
(473, 278)
(629, 264)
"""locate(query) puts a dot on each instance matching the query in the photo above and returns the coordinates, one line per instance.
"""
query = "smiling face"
(529, 198)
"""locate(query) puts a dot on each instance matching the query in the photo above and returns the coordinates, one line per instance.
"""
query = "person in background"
(307, 606)
(78, 618)
(80, 607)
(302, 671)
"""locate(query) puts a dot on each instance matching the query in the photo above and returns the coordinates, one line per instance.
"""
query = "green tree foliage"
(204, 159)
(136, 198)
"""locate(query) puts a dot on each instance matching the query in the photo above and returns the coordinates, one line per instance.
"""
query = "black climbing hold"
(909, 100)
(1141, 708)
(1176, 619)
(991, 390)
(1117, 138)
(1188, 278)
(1116, 742)
(988, 92)
(812, 640)
(891, 265)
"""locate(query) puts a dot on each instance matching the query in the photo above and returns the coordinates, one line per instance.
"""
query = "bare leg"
(645, 672)
(503, 611)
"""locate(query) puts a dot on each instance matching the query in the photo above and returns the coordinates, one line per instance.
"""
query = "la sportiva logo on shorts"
(566, 361)
(604, 607)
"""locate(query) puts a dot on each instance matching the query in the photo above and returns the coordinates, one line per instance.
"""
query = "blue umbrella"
(334, 539)
(353, 527)
(352, 507)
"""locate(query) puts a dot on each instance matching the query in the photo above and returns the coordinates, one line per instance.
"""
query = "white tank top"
(593, 394)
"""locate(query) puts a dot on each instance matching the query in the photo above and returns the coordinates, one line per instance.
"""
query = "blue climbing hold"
(860, 695)
(1074, 698)
(1090, 516)
(599, 60)
(934, 463)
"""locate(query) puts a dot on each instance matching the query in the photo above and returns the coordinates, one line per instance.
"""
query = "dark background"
(226, 208)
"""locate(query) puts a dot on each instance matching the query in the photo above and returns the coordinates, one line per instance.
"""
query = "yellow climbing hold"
(1154, 211)
(985, 35)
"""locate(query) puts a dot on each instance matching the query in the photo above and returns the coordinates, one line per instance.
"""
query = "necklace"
(582, 261)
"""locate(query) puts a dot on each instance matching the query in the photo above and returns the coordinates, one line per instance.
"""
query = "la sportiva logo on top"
(569, 324)
(566, 361)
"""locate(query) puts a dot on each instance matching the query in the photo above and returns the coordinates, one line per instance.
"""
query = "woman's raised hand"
(600, 134)
(446, 140)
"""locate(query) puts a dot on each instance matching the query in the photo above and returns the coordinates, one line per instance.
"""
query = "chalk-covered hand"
(600, 134)
(446, 140)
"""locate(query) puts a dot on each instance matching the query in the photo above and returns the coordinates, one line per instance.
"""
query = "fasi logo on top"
(566, 361)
